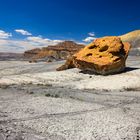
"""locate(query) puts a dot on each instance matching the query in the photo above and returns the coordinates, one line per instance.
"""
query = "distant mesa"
(61, 51)
(104, 56)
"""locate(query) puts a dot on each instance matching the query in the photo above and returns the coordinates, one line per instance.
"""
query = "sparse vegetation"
(132, 89)
(46, 84)
(2, 86)
(31, 92)
(52, 95)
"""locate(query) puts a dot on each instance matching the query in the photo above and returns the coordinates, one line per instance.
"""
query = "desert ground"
(39, 103)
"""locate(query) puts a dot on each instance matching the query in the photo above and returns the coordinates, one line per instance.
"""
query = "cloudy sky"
(27, 24)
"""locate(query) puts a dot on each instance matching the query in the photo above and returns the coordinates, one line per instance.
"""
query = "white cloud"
(4, 35)
(8, 45)
(23, 32)
(91, 34)
(38, 40)
(89, 39)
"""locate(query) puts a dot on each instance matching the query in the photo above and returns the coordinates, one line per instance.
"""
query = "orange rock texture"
(104, 56)
(69, 64)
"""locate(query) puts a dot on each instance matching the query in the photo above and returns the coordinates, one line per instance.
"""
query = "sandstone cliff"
(61, 51)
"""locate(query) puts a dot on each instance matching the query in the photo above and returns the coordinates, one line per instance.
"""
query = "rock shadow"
(127, 69)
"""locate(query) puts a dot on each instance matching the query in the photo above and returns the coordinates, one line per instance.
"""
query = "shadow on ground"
(127, 69)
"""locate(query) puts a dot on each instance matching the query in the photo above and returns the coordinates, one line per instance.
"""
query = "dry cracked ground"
(38, 103)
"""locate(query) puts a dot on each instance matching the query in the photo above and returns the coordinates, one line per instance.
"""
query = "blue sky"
(54, 20)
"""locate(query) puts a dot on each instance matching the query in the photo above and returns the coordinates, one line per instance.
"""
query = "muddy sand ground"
(38, 103)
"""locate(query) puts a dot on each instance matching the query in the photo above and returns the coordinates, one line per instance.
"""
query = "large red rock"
(104, 56)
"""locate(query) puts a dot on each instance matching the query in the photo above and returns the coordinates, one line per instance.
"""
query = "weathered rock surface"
(68, 64)
(31, 53)
(104, 56)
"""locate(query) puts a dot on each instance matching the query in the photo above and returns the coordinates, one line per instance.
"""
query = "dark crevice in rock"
(92, 47)
(89, 54)
(105, 48)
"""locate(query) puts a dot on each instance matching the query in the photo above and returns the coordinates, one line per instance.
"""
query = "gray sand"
(33, 111)
(43, 74)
